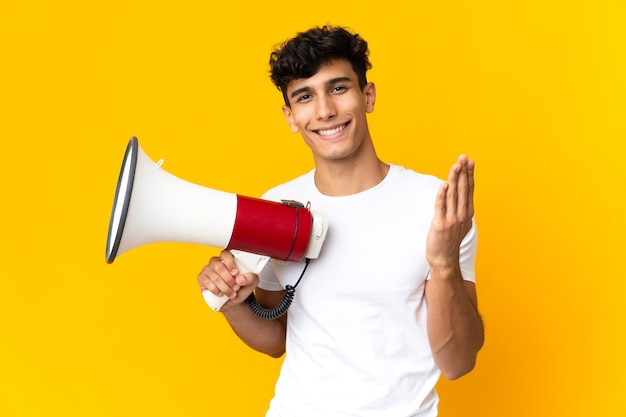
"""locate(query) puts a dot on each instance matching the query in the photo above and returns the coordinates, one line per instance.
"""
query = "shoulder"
(290, 188)
(404, 178)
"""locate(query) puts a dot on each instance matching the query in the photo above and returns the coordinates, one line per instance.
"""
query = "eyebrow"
(327, 83)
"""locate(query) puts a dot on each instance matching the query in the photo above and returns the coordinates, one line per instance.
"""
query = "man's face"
(329, 110)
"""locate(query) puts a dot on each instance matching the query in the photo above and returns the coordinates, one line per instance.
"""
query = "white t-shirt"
(356, 332)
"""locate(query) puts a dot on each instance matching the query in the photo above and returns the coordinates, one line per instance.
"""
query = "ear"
(289, 118)
(370, 97)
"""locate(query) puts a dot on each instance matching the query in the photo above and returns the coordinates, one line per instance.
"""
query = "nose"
(325, 108)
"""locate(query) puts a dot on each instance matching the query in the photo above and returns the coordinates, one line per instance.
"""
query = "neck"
(348, 176)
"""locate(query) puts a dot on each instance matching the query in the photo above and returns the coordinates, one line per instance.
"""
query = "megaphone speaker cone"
(122, 200)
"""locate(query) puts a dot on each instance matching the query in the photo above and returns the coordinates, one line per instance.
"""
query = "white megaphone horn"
(153, 206)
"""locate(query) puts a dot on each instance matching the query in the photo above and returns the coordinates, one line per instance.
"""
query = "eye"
(303, 97)
(339, 89)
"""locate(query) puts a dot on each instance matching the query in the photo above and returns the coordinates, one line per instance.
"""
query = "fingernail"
(241, 280)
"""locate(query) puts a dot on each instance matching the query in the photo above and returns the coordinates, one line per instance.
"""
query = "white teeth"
(330, 132)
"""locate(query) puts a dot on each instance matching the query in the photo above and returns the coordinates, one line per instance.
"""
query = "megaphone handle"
(246, 262)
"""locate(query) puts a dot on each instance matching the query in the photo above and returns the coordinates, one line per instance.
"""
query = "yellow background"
(533, 90)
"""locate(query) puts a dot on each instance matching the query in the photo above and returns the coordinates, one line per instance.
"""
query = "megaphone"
(153, 206)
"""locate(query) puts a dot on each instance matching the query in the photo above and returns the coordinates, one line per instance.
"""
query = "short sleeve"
(268, 280)
(467, 254)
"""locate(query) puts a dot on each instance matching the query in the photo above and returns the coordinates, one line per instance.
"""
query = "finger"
(452, 192)
(228, 260)
(440, 201)
(462, 186)
(249, 282)
(224, 283)
(470, 177)
(247, 279)
(206, 282)
(217, 278)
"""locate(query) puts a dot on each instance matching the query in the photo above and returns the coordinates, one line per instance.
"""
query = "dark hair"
(303, 55)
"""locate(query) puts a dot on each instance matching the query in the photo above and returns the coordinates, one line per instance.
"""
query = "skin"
(329, 111)
(455, 329)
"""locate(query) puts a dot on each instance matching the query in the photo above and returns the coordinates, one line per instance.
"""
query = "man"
(391, 301)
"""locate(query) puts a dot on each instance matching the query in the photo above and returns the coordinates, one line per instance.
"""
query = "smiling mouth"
(331, 132)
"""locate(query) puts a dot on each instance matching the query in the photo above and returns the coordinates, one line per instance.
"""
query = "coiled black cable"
(280, 309)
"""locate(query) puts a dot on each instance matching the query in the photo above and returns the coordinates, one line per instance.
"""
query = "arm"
(221, 277)
(455, 329)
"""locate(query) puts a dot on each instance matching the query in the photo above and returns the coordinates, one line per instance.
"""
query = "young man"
(391, 302)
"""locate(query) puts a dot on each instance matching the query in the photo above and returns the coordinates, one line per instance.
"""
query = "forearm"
(455, 328)
(265, 336)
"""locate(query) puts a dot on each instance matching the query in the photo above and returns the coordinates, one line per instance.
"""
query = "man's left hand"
(454, 209)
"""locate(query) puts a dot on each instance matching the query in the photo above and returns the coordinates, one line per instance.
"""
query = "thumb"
(248, 279)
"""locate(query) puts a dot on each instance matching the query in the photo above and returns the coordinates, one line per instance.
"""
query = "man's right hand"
(221, 277)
